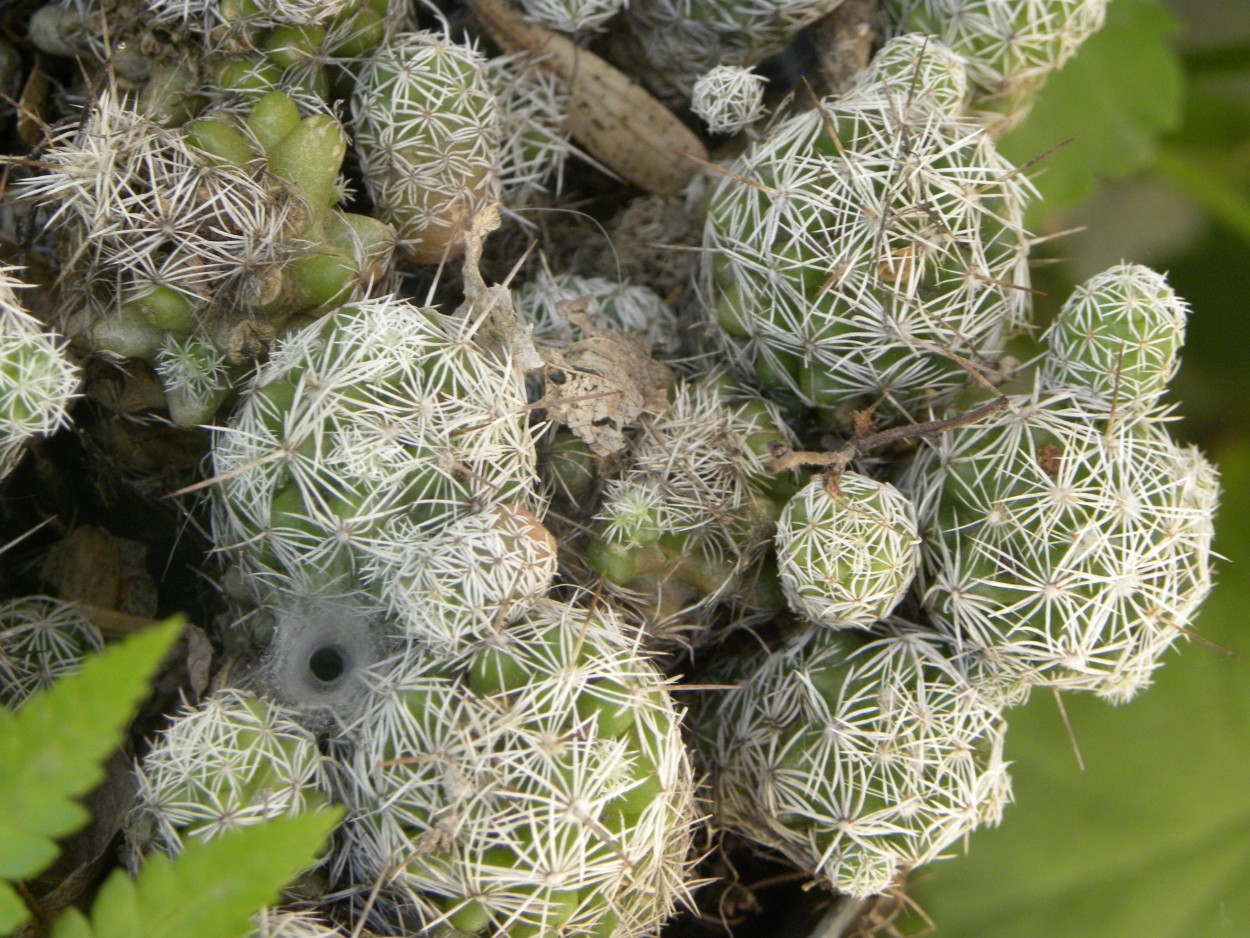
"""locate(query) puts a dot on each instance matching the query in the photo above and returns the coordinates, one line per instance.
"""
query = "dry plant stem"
(615, 120)
(844, 39)
(785, 459)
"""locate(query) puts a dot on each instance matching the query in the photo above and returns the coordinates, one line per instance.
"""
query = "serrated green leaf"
(1153, 838)
(211, 890)
(1117, 96)
(52, 750)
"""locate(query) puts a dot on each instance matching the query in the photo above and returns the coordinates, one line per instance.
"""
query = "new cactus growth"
(40, 639)
(536, 786)
(363, 438)
(37, 380)
(858, 757)
(847, 549)
(428, 136)
(1118, 338)
(728, 98)
(234, 760)
(841, 267)
(545, 301)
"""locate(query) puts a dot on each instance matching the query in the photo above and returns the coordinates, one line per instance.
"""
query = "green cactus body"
(684, 528)
(842, 271)
(40, 639)
(607, 305)
(1071, 547)
(847, 555)
(233, 761)
(37, 381)
(858, 757)
(1010, 46)
(534, 141)
(366, 434)
(1118, 338)
(427, 133)
(543, 788)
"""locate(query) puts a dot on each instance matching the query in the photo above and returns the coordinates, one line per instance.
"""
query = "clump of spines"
(841, 270)
(858, 757)
(572, 16)
(1117, 338)
(428, 136)
(538, 785)
(847, 549)
(41, 639)
(37, 379)
(624, 307)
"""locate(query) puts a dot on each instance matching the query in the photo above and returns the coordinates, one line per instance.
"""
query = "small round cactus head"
(858, 757)
(366, 433)
(40, 640)
(540, 786)
(428, 137)
(728, 98)
(233, 761)
(37, 381)
(534, 141)
(1071, 547)
(1117, 338)
(919, 70)
(847, 550)
(842, 273)
(1010, 46)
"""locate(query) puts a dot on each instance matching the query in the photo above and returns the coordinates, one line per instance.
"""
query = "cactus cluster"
(474, 542)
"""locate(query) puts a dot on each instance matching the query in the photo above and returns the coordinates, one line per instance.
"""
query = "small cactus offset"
(537, 787)
(838, 271)
(37, 380)
(1118, 338)
(858, 757)
(427, 130)
(233, 761)
(41, 639)
(847, 550)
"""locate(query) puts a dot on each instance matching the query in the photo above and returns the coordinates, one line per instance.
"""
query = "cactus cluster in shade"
(844, 528)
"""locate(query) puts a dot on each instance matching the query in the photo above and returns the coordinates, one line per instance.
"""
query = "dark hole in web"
(327, 664)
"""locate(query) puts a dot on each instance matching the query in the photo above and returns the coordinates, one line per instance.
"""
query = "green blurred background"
(1152, 838)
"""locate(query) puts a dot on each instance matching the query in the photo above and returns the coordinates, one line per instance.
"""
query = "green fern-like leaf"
(52, 751)
(211, 890)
